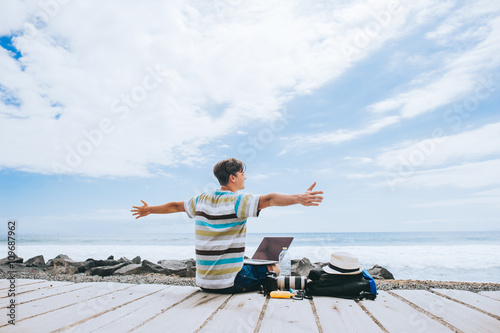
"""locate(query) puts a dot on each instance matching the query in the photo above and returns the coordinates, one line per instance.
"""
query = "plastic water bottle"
(285, 262)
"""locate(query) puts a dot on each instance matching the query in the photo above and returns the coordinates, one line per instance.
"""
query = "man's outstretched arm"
(171, 207)
(309, 198)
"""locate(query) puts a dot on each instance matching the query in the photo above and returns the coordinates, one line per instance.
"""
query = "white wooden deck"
(48, 306)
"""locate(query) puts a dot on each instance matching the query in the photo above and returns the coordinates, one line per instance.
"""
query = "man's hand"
(141, 211)
(310, 197)
(171, 207)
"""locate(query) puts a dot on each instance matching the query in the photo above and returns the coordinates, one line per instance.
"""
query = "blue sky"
(391, 107)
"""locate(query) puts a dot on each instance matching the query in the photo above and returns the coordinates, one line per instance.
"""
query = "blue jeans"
(248, 279)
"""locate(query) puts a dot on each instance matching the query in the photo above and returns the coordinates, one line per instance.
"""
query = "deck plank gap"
(22, 285)
(466, 304)
(165, 310)
(316, 317)
(62, 307)
(213, 314)
(379, 324)
(262, 314)
(61, 293)
(104, 312)
(427, 313)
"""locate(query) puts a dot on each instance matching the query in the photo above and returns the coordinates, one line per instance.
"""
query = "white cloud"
(13, 14)
(469, 175)
(228, 65)
(461, 76)
(486, 201)
(465, 146)
(494, 192)
(449, 30)
(339, 136)
(364, 175)
(465, 160)
(259, 177)
(489, 199)
(247, 61)
(430, 221)
(359, 160)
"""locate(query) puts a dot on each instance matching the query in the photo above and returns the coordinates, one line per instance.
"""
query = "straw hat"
(343, 263)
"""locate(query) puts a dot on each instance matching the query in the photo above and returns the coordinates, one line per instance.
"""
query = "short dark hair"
(223, 169)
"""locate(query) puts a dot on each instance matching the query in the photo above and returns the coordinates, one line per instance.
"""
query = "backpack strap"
(373, 286)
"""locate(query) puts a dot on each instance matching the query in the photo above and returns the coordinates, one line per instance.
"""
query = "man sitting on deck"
(221, 227)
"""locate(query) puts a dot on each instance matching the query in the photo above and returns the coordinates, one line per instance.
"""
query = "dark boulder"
(105, 270)
(38, 261)
(111, 257)
(86, 265)
(149, 267)
(380, 273)
(301, 267)
(129, 269)
(89, 266)
(181, 268)
(19, 268)
(125, 260)
(63, 260)
(15, 260)
(98, 263)
(136, 260)
(62, 270)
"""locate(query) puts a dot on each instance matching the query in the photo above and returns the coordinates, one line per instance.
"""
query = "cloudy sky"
(391, 106)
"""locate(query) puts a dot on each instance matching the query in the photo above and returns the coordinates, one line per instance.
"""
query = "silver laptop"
(269, 250)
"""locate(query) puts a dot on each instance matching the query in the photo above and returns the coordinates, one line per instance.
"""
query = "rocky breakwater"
(185, 268)
(64, 265)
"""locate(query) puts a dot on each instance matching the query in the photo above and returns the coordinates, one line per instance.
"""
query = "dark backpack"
(358, 286)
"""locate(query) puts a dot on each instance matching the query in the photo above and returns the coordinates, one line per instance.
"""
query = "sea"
(441, 256)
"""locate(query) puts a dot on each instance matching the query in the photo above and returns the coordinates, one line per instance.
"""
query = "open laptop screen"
(270, 248)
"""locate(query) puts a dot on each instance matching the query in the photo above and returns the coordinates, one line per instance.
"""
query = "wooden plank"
(397, 316)
(24, 298)
(129, 316)
(51, 292)
(460, 316)
(28, 281)
(86, 309)
(33, 287)
(240, 314)
(44, 285)
(4, 284)
(484, 303)
(491, 294)
(27, 287)
(33, 294)
(186, 316)
(343, 315)
(18, 283)
(43, 306)
(288, 315)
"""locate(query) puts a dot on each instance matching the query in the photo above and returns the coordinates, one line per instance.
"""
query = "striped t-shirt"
(220, 230)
